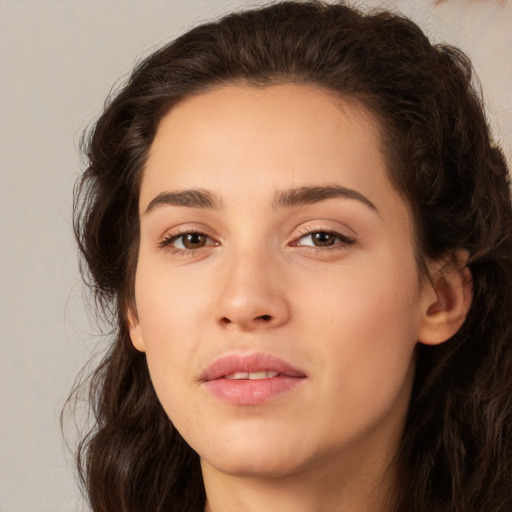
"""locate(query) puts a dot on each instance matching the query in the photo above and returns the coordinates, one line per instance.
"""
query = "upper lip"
(234, 363)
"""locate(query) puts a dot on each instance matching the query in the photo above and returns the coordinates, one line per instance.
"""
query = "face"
(277, 297)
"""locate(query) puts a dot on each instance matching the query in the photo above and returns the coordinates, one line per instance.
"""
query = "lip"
(250, 392)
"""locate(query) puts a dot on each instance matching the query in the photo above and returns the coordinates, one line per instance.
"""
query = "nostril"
(257, 319)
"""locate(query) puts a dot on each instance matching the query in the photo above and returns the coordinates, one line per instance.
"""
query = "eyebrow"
(199, 198)
(314, 194)
(193, 198)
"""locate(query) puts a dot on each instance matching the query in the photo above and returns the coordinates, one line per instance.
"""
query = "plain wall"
(58, 61)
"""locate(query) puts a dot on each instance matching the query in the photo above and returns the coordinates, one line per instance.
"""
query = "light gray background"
(58, 61)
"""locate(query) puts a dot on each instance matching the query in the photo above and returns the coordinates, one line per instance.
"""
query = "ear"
(446, 298)
(135, 329)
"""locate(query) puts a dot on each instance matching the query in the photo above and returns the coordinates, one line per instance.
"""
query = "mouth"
(250, 380)
(252, 375)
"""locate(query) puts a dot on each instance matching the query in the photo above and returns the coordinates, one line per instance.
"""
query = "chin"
(265, 465)
(256, 457)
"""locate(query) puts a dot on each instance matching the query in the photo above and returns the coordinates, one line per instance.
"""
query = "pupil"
(193, 240)
(323, 238)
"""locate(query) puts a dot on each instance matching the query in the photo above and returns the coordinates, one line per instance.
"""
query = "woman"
(302, 229)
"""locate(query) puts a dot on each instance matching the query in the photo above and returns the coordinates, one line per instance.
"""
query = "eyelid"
(345, 240)
(173, 238)
(165, 242)
(309, 230)
(325, 226)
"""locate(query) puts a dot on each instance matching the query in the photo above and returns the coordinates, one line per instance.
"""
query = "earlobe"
(135, 329)
(446, 299)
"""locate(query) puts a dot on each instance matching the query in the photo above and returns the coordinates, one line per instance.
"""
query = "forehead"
(246, 144)
(286, 130)
(287, 112)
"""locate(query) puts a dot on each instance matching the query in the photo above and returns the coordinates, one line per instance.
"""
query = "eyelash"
(167, 242)
(343, 241)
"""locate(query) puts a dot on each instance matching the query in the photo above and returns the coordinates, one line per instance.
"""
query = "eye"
(323, 239)
(187, 241)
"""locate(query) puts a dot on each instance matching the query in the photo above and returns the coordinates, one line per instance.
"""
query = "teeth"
(238, 375)
(252, 375)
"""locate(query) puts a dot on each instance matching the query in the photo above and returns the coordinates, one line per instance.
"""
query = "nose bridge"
(251, 294)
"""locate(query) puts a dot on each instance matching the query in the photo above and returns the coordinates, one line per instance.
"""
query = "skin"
(349, 314)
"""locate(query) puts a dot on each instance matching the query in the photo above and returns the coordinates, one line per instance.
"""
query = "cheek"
(171, 315)
(365, 295)
(171, 305)
(365, 323)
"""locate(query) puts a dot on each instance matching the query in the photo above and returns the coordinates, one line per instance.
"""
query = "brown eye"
(193, 240)
(187, 241)
(320, 239)
(324, 239)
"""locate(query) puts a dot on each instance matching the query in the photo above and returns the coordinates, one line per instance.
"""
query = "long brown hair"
(456, 454)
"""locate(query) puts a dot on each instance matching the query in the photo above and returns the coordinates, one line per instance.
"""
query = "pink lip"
(250, 392)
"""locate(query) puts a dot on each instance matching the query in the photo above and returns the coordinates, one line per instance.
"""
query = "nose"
(252, 294)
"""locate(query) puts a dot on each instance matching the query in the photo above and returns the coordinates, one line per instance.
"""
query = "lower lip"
(251, 392)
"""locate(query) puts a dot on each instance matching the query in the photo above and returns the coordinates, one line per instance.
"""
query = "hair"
(456, 452)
